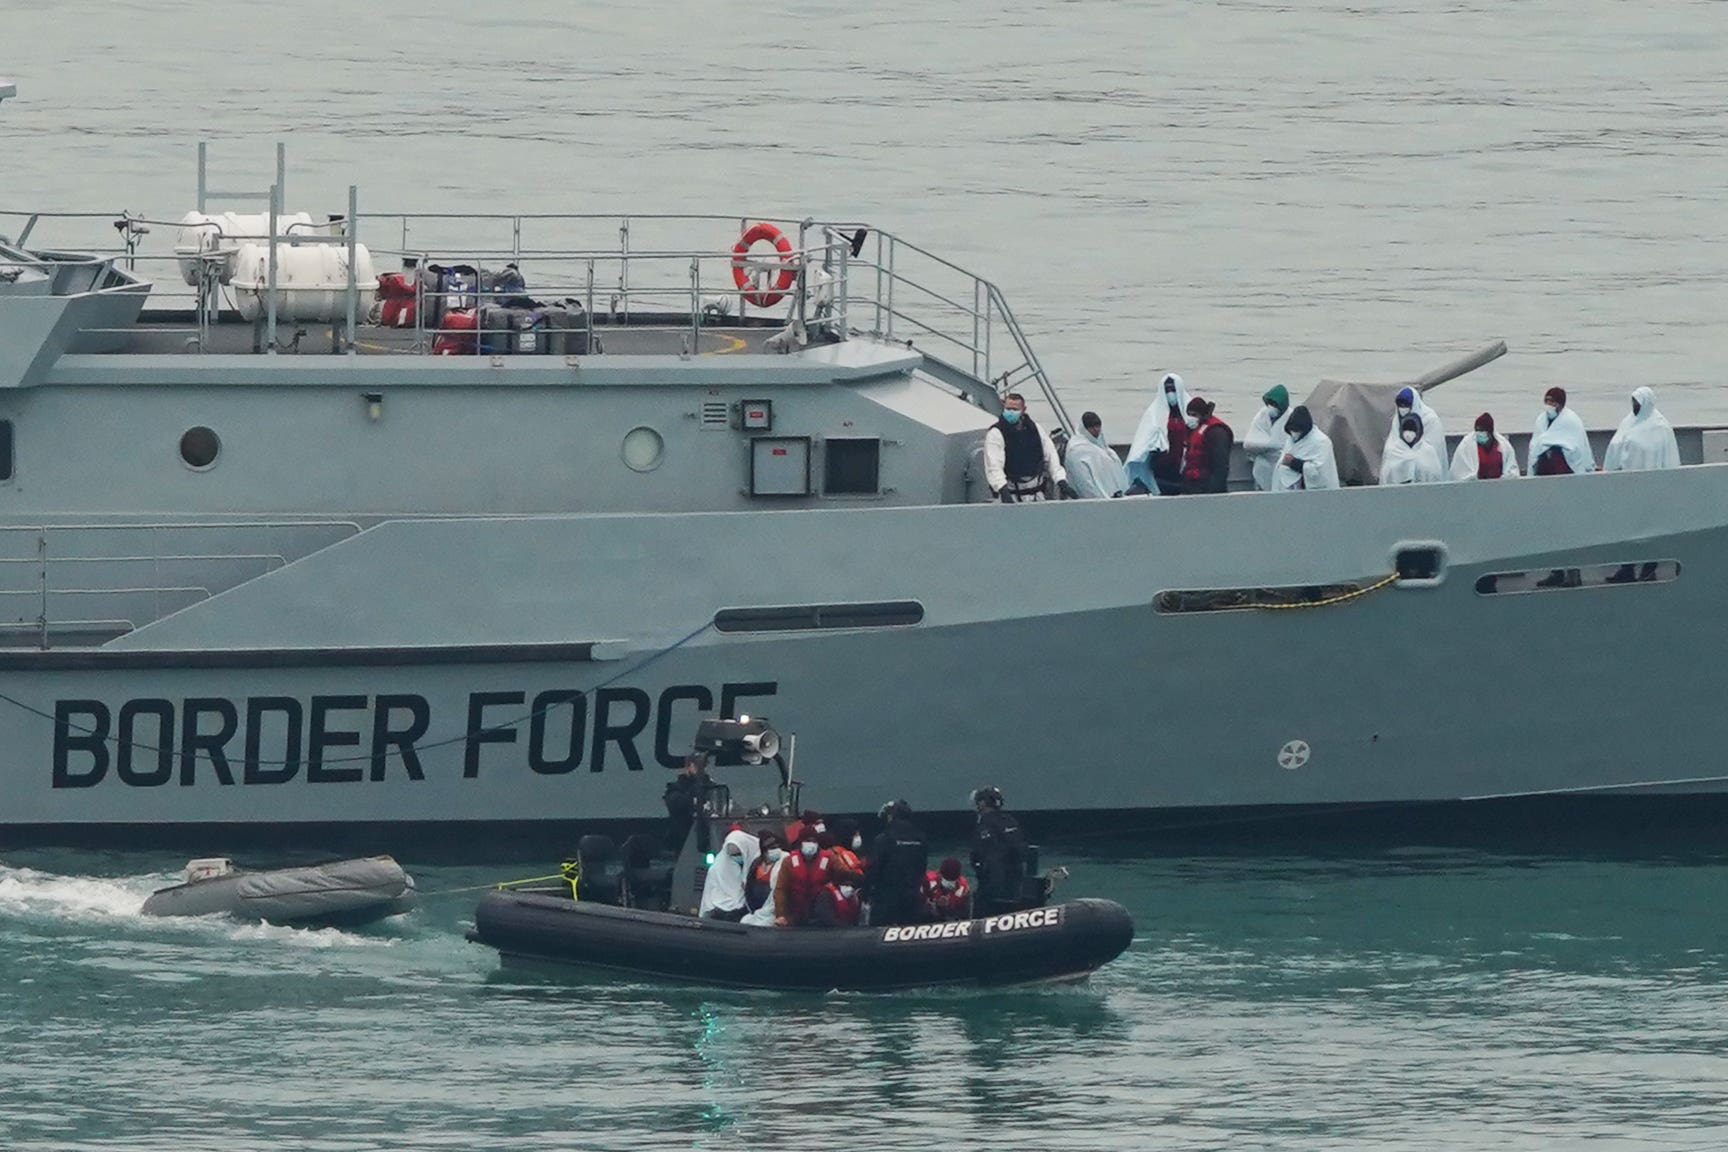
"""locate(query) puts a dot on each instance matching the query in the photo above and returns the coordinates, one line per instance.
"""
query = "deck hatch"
(818, 617)
(852, 466)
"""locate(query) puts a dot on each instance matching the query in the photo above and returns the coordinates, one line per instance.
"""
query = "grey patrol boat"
(266, 563)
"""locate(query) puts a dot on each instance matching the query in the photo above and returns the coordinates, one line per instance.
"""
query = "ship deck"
(167, 333)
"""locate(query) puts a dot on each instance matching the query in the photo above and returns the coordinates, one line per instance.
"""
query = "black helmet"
(893, 809)
(990, 795)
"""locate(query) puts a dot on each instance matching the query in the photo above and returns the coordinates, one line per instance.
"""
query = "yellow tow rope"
(1340, 599)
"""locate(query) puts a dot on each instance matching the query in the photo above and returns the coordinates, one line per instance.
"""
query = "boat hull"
(1058, 942)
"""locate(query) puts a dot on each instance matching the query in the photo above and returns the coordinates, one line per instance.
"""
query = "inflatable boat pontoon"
(341, 893)
(1056, 942)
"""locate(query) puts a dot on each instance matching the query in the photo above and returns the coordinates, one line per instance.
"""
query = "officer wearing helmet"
(999, 856)
(894, 874)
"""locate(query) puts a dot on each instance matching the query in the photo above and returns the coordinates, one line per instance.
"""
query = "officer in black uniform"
(894, 875)
(999, 856)
(685, 797)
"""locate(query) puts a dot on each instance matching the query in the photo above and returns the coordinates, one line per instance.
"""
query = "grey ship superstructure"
(337, 580)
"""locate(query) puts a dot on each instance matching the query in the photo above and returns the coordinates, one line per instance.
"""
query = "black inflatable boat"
(630, 915)
(1057, 942)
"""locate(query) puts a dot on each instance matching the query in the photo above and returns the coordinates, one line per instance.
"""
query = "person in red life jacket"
(809, 821)
(836, 906)
(1206, 461)
(808, 869)
(1020, 461)
(947, 893)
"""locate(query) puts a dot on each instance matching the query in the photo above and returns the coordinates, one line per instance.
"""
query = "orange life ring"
(741, 276)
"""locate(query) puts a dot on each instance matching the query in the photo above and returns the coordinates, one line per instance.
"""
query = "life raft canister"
(741, 273)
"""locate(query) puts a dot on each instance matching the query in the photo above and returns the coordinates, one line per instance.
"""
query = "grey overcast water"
(1245, 193)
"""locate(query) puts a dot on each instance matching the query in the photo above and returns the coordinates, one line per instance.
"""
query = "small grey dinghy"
(342, 893)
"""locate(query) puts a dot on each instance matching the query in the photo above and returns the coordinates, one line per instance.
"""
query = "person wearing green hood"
(1264, 443)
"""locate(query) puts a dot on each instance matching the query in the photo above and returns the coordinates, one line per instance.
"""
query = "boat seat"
(602, 880)
(646, 884)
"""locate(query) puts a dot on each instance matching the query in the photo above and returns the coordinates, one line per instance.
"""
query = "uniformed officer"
(999, 856)
(894, 874)
(1020, 461)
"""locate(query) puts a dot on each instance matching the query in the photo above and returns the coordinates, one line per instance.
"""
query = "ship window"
(813, 617)
(1586, 576)
(643, 449)
(199, 447)
(852, 467)
(5, 449)
(1232, 599)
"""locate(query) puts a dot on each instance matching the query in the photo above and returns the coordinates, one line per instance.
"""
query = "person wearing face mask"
(845, 842)
(1407, 403)
(1485, 455)
(1155, 454)
(1410, 459)
(723, 891)
(1206, 459)
(894, 875)
(1308, 461)
(999, 855)
(807, 871)
(1645, 440)
(946, 893)
(1559, 446)
(836, 906)
(1265, 440)
(763, 880)
(808, 820)
(1020, 462)
(1093, 466)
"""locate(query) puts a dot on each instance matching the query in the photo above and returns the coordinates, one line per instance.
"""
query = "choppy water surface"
(1406, 1000)
(1245, 191)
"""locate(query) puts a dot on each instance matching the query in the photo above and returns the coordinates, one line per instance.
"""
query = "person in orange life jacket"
(946, 892)
(836, 906)
(758, 877)
(808, 869)
(1020, 461)
(1206, 460)
(845, 843)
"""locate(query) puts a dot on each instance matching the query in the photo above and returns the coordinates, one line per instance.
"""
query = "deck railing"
(666, 270)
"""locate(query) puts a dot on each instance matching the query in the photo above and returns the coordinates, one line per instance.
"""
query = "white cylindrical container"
(202, 232)
(311, 281)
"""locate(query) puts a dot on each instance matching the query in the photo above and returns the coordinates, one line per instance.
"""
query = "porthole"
(643, 449)
(199, 448)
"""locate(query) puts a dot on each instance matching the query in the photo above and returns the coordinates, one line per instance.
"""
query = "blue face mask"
(1482, 437)
(1011, 415)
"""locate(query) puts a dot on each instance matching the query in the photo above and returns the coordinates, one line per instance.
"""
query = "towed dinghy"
(342, 893)
(652, 929)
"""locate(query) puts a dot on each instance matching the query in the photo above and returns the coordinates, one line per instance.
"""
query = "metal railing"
(49, 565)
(840, 285)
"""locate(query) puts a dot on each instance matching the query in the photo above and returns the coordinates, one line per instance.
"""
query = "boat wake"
(31, 895)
